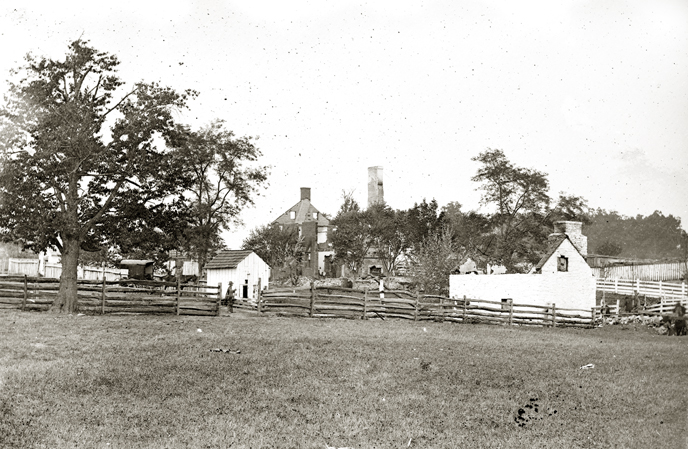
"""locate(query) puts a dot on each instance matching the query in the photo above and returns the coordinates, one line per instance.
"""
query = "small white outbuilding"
(244, 268)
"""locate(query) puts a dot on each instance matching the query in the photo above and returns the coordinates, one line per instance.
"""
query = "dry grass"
(149, 382)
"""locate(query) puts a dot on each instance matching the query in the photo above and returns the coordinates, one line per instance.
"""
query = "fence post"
(618, 308)
(310, 312)
(660, 288)
(102, 297)
(230, 301)
(415, 306)
(259, 296)
(511, 312)
(179, 287)
(26, 293)
(592, 323)
(616, 285)
(604, 300)
(442, 307)
(365, 304)
(554, 315)
(637, 285)
(219, 297)
(464, 309)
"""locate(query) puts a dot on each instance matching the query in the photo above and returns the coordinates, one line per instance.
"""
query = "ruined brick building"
(314, 227)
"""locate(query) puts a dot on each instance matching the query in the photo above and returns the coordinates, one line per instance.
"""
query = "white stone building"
(562, 276)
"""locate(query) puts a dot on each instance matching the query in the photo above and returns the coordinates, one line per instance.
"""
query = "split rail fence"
(339, 302)
(659, 289)
(125, 296)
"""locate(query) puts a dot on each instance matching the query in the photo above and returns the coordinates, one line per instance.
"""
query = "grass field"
(153, 382)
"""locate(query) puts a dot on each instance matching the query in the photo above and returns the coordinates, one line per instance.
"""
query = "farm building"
(562, 276)
(241, 267)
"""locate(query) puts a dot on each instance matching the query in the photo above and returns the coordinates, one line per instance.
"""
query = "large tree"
(350, 237)
(433, 262)
(422, 221)
(519, 197)
(81, 156)
(386, 228)
(225, 179)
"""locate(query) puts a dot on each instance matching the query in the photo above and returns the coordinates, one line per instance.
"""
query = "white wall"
(578, 267)
(574, 289)
(251, 268)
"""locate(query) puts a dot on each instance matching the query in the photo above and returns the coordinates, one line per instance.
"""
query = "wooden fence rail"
(103, 296)
(339, 302)
(659, 289)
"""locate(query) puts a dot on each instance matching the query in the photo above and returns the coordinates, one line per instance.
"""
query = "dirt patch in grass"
(142, 381)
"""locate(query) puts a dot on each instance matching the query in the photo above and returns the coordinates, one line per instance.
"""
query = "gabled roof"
(228, 258)
(303, 212)
(552, 249)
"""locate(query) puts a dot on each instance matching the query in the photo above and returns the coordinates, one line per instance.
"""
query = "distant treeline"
(655, 236)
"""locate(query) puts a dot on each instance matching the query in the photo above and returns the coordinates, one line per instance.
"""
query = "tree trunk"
(66, 300)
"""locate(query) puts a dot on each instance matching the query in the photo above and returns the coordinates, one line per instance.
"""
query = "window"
(563, 263)
(315, 215)
(292, 214)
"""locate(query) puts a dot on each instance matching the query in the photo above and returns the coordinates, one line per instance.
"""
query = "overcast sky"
(594, 93)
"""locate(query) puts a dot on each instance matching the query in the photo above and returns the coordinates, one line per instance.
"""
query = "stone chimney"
(572, 229)
(375, 190)
(305, 193)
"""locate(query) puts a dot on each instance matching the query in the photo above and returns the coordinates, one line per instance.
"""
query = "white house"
(241, 267)
(562, 276)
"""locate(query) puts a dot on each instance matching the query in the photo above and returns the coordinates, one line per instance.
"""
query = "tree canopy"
(655, 236)
(281, 247)
(351, 237)
(88, 164)
(224, 179)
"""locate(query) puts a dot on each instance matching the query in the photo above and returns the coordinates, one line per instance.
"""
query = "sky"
(595, 94)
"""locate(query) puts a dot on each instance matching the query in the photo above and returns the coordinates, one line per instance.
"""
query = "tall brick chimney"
(573, 229)
(305, 193)
(376, 193)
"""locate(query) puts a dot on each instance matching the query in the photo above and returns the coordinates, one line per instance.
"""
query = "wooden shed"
(244, 268)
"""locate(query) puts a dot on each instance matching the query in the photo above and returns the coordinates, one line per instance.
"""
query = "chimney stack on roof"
(572, 229)
(376, 193)
(305, 193)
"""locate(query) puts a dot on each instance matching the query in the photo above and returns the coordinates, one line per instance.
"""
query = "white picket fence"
(665, 306)
(54, 270)
(29, 267)
(659, 289)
